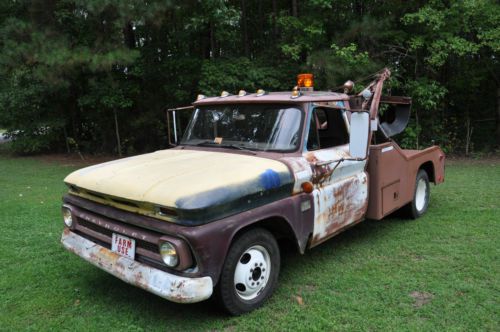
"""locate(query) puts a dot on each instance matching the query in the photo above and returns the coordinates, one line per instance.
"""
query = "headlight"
(68, 219)
(169, 254)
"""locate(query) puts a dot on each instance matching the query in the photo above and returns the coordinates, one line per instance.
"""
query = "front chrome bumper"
(171, 287)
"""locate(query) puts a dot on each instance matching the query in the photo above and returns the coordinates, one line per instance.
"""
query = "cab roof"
(275, 97)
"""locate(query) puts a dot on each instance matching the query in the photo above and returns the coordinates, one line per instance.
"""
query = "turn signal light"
(307, 187)
(305, 80)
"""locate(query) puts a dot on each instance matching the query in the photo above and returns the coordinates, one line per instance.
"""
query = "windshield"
(254, 127)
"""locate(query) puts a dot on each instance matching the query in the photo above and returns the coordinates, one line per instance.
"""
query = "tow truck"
(204, 218)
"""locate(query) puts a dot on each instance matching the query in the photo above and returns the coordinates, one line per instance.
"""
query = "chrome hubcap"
(420, 194)
(252, 272)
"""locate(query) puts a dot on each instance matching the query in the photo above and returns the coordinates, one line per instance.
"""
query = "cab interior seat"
(335, 133)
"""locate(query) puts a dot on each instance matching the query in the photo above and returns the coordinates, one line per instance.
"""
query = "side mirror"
(358, 136)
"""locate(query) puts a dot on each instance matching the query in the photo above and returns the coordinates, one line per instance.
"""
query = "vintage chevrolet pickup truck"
(205, 217)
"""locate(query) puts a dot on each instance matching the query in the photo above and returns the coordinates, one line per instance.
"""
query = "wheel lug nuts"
(256, 264)
(257, 282)
(263, 270)
(251, 270)
(253, 283)
(260, 264)
(249, 278)
(262, 277)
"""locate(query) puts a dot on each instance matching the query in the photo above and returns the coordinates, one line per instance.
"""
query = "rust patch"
(321, 174)
(169, 286)
(338, 206)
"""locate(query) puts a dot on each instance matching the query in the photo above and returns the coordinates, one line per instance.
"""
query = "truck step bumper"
(171, 287)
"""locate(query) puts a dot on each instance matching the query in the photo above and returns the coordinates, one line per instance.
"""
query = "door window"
(313, 137)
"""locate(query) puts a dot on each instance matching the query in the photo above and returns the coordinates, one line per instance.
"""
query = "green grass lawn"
(441, 272)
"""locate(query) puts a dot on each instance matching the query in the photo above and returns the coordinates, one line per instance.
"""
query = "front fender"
(211, 242)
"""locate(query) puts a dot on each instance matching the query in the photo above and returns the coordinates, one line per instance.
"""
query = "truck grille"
(100, 229)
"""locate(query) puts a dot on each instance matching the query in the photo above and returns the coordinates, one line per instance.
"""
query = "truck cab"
(204, 218)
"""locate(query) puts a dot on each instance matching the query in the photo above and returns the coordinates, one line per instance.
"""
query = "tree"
(99, 73)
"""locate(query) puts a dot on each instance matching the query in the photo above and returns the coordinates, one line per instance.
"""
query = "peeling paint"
(301, 170)
(339, 205)
(164, 177)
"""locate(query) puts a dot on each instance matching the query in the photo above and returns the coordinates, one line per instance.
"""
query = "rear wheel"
(250, 272)
(421, 196)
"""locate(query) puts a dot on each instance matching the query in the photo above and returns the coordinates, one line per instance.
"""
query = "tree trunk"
(68, 150)
(262, 24)
(468, 135)
(118, 142)
(245, 27)
(275, 15)
(294, 8)
(498, 117)
(417, 130)
(212, 40)
(129, 35)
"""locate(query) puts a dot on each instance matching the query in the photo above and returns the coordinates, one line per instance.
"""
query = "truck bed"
(392, 172)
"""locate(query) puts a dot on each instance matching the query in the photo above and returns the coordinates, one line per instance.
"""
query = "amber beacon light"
(305, 80)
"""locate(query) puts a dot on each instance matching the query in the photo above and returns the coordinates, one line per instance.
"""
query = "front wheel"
(250, 272)
(421, 196)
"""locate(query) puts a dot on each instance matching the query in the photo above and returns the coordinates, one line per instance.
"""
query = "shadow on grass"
(116, 296)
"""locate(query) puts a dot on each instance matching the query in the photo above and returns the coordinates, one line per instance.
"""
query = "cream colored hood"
(184, 179)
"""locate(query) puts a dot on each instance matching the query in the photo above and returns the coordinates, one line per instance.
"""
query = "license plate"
(123, 245)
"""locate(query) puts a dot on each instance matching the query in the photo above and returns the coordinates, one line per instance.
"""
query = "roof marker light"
(260, 92)
(200, 97)
(295, 93)
(224, 94)
(242, 93)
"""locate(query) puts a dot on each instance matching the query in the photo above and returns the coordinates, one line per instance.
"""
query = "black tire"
(421, 196)
(228, 291)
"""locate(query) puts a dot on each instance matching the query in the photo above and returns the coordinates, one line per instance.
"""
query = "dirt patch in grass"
(421, 298)
(493, 159)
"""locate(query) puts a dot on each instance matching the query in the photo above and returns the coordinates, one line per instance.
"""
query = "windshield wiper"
(230, 146)
(234, 146)
(205, 143)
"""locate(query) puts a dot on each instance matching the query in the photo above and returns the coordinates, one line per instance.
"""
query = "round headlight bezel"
(67, 216)
(169, 254)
